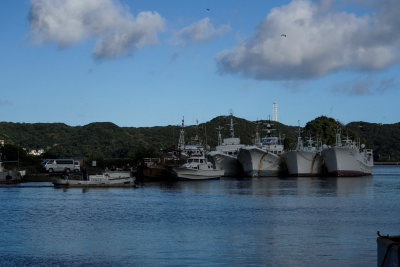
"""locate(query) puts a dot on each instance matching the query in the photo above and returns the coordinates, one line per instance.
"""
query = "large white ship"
(225, 155)
(305, 160)
(348, 159)
(264, 158)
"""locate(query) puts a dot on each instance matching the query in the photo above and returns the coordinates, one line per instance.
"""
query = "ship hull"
(126, 182)
(11, 177)
(303, 163)
(193, 174)
(347, 161)
(259, 163)
(109, 179)
(230, 165)
(11, 181)
(157, 173)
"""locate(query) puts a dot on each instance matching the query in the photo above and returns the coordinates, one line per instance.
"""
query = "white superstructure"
(194, 148)
(264, 157)
(348, 159)
(8, 176)
(225, 155)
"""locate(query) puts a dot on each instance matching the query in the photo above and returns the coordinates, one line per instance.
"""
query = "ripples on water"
(265, 221)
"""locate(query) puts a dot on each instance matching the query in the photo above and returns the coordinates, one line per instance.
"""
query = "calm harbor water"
(266, 221)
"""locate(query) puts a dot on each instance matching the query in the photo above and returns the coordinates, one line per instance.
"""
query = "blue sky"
(148, 63)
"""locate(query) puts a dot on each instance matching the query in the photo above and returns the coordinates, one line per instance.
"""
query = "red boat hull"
(11, 181)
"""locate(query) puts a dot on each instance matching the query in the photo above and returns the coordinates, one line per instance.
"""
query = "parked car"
(44, 163)
(62, 165)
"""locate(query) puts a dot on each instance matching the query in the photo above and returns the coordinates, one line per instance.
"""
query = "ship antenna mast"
(299, 141)
(219, 128)
(181, 144)
(257, 140)
(338, 138)
(231, 126)
(196, 138)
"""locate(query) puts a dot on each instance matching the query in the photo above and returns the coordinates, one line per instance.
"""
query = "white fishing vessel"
(264, 157)
(105, 179)
(225, 155)
(304, 160)
(197, 168)
(348, 159)
(10, 176)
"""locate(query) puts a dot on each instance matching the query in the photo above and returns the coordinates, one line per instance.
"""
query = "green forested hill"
(104, 139)
(384, 139)
(107, 140)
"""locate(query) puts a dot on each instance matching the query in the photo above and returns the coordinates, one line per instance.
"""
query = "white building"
(36, 152)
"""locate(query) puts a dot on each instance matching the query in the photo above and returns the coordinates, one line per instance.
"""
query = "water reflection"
(90, 189)
(272, 186)
(347, 186)
(306, 221)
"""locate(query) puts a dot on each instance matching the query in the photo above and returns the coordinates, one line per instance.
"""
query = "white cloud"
(318, 41)
(365, 86)
(116, 31)
(199, 31)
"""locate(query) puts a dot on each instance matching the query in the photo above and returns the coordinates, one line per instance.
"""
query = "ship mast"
(338, 138)
(299, 140)
(257, 139)
(181, 144)
(347, 140)
(219, 128)
(196, 138)
(231, 127)
(269, 127)
(310, 141)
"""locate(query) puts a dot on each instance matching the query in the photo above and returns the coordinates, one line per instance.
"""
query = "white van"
(62, 165)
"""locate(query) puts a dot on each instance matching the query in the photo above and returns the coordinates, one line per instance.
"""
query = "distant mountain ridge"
(105, 139)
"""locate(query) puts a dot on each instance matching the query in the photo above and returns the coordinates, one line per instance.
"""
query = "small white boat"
(106, 179)
(197, 168)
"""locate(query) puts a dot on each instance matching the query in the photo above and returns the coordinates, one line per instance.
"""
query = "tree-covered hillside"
(384, 139)
(107, 140)
(325, 128)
